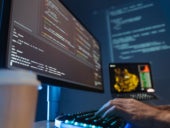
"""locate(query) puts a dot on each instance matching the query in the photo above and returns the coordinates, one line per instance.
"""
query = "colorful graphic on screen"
(145, 77)
(124, 80)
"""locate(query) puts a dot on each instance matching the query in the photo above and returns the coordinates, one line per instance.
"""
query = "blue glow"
(76, 123)
(85, 125)
(113, 122)
(66, 121)
(128, 125)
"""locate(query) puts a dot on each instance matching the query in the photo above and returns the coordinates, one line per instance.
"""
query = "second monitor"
(131, 80)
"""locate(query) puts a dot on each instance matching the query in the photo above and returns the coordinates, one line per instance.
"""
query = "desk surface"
(44, 124)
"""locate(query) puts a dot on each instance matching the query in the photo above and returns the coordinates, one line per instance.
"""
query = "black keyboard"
(88, 120)
(138, 96)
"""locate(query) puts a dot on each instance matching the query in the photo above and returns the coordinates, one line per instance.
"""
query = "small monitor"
(128, 78)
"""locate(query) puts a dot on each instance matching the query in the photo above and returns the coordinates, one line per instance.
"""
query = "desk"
(44, 124)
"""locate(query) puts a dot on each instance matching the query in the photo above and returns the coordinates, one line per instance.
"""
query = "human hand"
(137, 113)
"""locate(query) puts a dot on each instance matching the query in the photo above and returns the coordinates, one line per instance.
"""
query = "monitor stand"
(53, 98)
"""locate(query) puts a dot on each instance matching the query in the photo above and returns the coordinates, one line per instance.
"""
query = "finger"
(123, 103)
(115, 110)
(117, 101)
(109, 112)
(103, 109)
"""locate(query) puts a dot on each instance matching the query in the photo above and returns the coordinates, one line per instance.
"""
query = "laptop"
(131, 80)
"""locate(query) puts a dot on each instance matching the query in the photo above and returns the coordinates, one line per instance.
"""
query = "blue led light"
(76, 123)
(128, 125)
(85, 125)
(113, 122)
(66, 121)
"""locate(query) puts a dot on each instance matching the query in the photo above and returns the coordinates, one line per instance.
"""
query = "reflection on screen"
(46, 38)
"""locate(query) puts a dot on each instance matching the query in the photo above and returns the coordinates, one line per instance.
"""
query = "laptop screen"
(130, 77)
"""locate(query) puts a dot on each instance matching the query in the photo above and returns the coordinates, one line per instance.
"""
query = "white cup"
(18, 98)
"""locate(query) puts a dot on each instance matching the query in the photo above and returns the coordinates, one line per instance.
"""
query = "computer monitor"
(131, 80)
(130, 77)
(45, 37)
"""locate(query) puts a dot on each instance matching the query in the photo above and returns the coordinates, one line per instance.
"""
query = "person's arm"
(164, 107)
(162, 119)
(137, 113)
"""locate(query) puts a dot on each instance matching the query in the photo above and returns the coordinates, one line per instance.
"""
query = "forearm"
(162, 119)
(164, 107)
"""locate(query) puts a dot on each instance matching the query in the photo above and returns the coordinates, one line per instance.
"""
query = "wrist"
(162, 119)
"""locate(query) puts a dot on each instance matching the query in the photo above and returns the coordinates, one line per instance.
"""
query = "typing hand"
(131, 110)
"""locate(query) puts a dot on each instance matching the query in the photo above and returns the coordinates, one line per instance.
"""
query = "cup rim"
(18, 77)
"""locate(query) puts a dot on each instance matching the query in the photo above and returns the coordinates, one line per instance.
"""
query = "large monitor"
(45, 37)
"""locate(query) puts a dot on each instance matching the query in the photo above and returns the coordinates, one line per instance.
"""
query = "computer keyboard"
(137, 96)
(89, 120)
